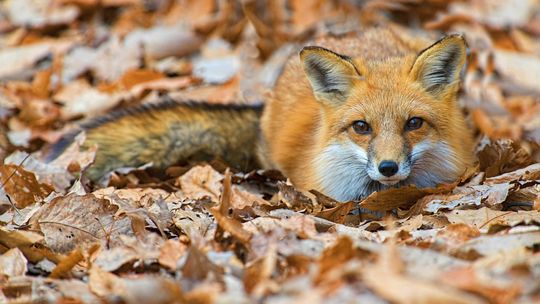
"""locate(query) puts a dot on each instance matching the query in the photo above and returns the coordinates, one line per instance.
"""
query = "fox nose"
(388, 168)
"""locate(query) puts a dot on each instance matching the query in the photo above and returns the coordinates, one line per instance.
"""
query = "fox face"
(388, 123)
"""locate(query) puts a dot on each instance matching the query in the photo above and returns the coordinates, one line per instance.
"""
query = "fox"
(348, 116)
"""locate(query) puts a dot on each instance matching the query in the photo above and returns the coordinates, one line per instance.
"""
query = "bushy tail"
(166, 133)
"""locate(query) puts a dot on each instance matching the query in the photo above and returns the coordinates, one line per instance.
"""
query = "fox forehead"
(389, 106)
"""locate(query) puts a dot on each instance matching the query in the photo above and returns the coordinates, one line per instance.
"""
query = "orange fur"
(385, 88)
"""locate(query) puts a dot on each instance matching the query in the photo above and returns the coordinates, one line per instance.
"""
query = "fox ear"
(331, 75)
(439, 66)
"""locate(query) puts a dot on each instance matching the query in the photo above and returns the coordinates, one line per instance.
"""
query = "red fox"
(383, 114)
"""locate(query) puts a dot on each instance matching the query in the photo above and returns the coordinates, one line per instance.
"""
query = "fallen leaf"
(67, 264)
(492, 244)
(201, 182)
(66, 225)
(338, 213)
(467, 279)
(39, 13)
(23, 58)
(79, 98)
(485, 218)
(399, 288)
(502, 156)
(48, 173)
(30, 243)
(232, 226)
(531, 172)
(103, 283)
(13, 263)
(403, 197)
(22, 186)
(171, 252)
(465, 197)
(258, 274)
(198, 267)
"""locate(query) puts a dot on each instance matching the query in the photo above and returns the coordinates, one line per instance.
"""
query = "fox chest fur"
(355, 115)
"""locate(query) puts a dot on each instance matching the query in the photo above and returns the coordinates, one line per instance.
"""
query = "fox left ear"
(439, 66)
(331, 75)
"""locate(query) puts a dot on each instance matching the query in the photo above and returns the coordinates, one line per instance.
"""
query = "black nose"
(388, 168)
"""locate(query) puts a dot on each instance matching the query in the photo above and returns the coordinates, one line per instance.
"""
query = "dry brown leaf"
(30, 243)
(242, 198)
(103, 283)
(39, 13)
(66, 224)
(21, 185)
(493, 244)
(114, 258)
(227, 93)
(403, 197)
(137, 289)
(297, 200)
(164, 84)
(39, 113)
(485, 218)
(466, 196)
(334, 257)
(75, 289)
(79, 98)
(201, 182)
(455, 235)
(192, 223)
(198, 267)
(257, 277)
(467, 279)
(23, 59)
(338, 213)
(495, 13)
(51, 173)
(171, 252)
(134, 77)
(163, 41)
(399, 288)
(519, 70)
(13, 263)
(502, 156)
(531, 172)
(66, 264)
(108, 62)
(232, 226)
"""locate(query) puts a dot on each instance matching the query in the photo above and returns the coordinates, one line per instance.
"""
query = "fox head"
(390, 122)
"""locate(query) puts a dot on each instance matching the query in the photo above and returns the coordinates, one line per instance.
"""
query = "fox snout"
(388, 161)
(389, 172)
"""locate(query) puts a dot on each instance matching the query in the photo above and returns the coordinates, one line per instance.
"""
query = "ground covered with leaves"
(201, 233)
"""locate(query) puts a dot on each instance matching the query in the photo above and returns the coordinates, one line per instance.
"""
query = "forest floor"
(200, 233)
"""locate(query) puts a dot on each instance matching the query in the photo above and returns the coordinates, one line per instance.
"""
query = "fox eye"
(414, 124)
(361, 127)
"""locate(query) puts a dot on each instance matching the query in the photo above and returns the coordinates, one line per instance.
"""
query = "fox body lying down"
(383, 114)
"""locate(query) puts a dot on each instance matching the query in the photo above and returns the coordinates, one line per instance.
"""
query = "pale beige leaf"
(13, 263)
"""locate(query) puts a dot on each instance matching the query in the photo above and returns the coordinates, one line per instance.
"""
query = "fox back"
(383, 114)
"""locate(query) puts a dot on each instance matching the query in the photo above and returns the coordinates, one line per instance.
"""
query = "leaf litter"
(201, 233)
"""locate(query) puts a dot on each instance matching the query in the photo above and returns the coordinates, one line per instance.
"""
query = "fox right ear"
(439, 66)
(331, 75)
